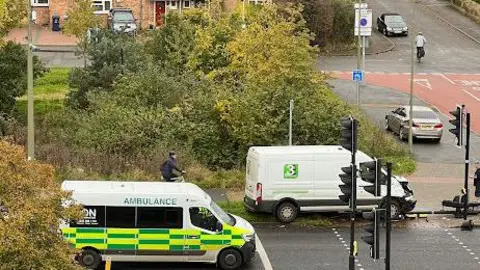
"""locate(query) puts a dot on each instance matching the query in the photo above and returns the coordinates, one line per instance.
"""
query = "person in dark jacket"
(169, 166)
(476, 178)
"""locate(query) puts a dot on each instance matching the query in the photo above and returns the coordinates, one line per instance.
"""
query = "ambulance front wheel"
(89, 259)
(230, 259)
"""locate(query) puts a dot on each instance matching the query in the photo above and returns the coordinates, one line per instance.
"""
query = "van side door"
(161, 233)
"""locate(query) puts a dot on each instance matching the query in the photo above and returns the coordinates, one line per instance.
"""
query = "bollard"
(108, 263)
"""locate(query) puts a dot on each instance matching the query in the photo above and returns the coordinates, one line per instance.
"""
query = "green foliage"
(12, 12)
(13, 76)
(81, 18)
(110, 56)
(330, 20)
(171, 46)
(304, 220)
(31, 210)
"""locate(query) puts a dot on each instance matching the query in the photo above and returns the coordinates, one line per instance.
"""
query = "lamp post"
(30, 123)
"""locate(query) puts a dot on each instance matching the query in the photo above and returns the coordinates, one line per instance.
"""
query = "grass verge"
(308, 220)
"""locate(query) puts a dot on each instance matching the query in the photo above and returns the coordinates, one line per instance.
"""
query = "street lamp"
(30, 124)
(412, 71)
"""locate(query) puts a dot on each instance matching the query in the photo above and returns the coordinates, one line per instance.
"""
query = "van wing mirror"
(219, 227)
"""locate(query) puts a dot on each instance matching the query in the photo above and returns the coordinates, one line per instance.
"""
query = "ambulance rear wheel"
(286, 212)
(89, 259)
(230, 259)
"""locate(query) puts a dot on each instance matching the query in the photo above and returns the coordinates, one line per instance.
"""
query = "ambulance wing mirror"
(219, 227)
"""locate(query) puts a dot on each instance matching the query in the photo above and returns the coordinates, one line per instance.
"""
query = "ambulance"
(154, 222)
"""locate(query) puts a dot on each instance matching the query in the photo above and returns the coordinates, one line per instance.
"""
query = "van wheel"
(230, 259)
(89, 258)
(286, 212)
(395, 208)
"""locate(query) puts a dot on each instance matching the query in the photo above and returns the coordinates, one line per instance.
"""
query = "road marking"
(423, 82)
(472, 95)
(475, 257)
(263, 254)
(445, 77)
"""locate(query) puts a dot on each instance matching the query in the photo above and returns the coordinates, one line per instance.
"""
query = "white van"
(155, 222)
(285, 180)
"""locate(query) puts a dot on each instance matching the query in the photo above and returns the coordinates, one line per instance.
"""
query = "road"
(449, 74)
(415, 245)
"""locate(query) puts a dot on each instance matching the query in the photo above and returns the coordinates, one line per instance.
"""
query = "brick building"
(148, 12)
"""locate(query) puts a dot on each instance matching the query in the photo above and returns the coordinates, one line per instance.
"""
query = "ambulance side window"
(202, 217)
(120, 217)
(160, 217)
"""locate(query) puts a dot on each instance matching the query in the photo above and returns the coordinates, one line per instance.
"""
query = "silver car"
(426, 124)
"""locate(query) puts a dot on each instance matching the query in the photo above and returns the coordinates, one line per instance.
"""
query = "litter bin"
(55, 23)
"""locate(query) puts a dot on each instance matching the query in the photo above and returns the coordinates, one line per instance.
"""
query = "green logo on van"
(290, 171)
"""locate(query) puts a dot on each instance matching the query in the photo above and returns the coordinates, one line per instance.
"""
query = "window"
(202, 217)
(102, 6)
(94, 217)
(120, 217)
(160, 217)
(40, 3)
(186, 4)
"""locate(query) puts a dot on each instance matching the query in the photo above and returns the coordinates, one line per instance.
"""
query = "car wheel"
(286, 212)
(437, 140)
(395, 212)
(230, 259)
(89, 259)
(385, 32)
(387, 127)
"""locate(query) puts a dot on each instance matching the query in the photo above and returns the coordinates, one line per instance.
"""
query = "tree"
(81, 18)
(110, 56)
(31, 210)
(12, 12)
(13, 77)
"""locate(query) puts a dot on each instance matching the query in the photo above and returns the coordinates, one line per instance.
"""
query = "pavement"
(42, 36)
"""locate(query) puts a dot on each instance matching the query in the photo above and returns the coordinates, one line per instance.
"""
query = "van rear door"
(252, 177)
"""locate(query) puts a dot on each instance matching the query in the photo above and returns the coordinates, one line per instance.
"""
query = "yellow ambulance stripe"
(122, 231)
(154, 236)
(177, 242)
(97, 246)
(216, 237)
(153, 247)
(91, 235)
(211, 247)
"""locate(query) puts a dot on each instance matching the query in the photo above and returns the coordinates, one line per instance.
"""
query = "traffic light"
(348, 133)
(457, 129)
(373, 230)
(347, 180)
(371, 172)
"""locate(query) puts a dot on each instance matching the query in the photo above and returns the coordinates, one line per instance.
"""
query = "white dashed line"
(463, 245)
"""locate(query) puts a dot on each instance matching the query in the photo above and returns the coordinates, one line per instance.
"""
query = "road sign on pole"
(363, 21)
(357, 75)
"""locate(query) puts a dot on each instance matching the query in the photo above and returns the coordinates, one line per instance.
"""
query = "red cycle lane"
(443, 91)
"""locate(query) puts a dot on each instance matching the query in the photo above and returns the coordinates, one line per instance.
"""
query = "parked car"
(392, 24)
(426, 123)
(121, 20)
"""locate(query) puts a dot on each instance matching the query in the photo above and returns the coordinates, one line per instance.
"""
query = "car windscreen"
(123, 17)
(393, 19)
(224, 216)
(424, 115)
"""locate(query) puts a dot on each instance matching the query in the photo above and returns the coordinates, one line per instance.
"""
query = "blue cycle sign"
(357, 75)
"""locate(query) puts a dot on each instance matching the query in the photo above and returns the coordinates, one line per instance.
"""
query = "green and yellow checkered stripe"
(153, 239)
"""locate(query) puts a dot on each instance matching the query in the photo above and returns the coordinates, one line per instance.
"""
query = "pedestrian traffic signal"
(371, 172)
(457, 122)
(347, 180)
(348, 133)
(373, 230)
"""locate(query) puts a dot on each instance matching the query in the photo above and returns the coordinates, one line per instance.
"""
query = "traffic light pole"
(388, 216)
(467, 163)
(351, 265)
